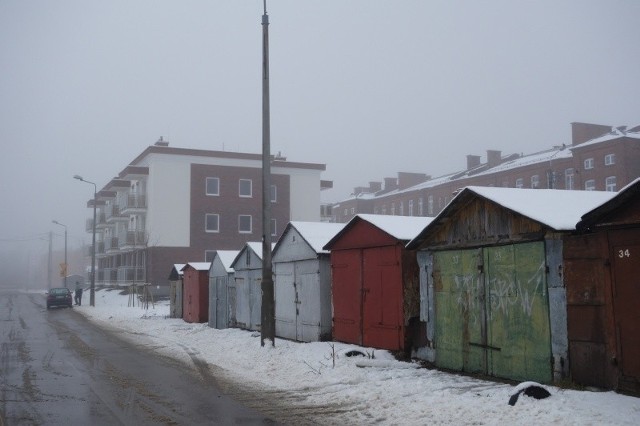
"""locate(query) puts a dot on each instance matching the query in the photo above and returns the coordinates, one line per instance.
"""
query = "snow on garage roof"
(227, 257)
(558, 209)
(317, 234)
(198, 266)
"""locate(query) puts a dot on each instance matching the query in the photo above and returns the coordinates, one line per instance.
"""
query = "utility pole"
(92, 294)
(49, 260)
(268, 323)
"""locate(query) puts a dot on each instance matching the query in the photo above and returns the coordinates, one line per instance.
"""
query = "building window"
(208, 255)
(551, 179)
(401, 213)
(212, 222)
(274, 193)
(535, 181)
(410, 207)
(568, 179)
(420, 207)
(590, 185)
(430, 205)
(588, 163)
(353, 210)
(213, 186)
(244, 224)
(245, 188)
(609, 159)
(610, 183)
(519, 183)
(393, 209)
(346, 212)
(274, 230)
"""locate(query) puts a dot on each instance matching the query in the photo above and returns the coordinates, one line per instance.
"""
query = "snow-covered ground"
(367, 391)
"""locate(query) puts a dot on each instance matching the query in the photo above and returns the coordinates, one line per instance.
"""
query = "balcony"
(101, 220)
(128, 275)
(114, 214)
(100, 251)
(135, 203)
(109, 275)
(133, 240)
(111, 245)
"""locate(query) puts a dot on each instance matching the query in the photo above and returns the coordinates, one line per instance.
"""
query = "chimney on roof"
(473, 161)
(406, 179)
(375, 186)
(493, 157)
(582, 132)
(359, 190)
(161, 142)
(390, 184)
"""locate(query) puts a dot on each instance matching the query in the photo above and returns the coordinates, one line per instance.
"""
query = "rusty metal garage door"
(346, 290)
(492, 311)
(626, 294)
(382, 312)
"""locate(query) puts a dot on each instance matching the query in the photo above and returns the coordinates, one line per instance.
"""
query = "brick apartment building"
(598, 158)
(176, 205)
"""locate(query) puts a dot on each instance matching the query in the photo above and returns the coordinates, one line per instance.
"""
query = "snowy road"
(309, 383)
(56, 368)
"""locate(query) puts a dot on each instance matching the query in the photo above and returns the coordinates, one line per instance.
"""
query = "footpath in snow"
(380, 391)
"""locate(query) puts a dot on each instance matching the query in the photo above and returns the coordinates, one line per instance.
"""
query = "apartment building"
(597, 158)
(175, 205)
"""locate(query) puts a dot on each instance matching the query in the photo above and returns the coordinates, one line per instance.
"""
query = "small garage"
(602, 266)
(303, 281)
(248, 278)
(195, 303)
(491, 281)
(175, 291)
(375, 287)
(222, 290)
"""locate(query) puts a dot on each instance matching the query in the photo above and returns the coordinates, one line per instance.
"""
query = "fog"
(367, 87)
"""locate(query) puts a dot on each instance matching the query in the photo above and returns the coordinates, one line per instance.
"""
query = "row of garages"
(519, 284)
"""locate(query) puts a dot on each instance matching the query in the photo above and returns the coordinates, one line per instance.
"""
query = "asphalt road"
(58, 369)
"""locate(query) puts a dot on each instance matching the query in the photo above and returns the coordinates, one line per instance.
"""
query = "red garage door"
(347, 296)
(383, 325)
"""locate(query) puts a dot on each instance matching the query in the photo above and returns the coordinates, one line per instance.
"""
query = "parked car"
(60, 296)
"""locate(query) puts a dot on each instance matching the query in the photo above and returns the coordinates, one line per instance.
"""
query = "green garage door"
(492, 311)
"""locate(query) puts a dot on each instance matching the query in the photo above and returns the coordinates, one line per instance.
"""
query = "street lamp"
(65, 250)
(92, 294)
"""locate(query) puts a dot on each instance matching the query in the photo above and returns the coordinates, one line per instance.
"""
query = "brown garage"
(195, 301)
(603, 294)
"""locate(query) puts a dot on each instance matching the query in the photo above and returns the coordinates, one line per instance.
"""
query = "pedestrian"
(78, 295)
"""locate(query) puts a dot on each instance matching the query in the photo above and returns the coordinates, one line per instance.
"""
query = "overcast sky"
(367, 87)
